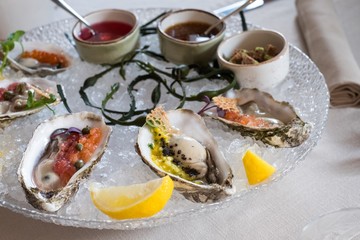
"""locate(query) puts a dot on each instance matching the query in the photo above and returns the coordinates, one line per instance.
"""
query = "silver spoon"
(207, 31)
(68, 8)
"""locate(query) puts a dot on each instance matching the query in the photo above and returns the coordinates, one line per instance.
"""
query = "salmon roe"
(53, 59)
(69, 152)
(245, 119)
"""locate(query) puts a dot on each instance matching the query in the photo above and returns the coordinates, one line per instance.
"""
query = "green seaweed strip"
(63, 98)
(137, 122)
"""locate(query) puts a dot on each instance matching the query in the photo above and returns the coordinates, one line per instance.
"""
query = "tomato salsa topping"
(75, 149)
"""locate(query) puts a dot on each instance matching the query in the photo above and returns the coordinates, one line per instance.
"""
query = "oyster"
(177, 143)
(258, 115)
(26, 96)
(39, 58)
(60, 155)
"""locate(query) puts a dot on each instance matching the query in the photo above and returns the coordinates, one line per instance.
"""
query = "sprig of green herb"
(34, 103)
(8, 45)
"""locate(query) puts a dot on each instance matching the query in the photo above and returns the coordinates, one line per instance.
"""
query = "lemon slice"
(257, 170)
(133, 201)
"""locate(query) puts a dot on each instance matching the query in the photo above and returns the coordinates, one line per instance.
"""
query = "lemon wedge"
(257, 170)
(133, 201)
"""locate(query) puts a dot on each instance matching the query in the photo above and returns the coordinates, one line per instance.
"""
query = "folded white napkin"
(330, 50)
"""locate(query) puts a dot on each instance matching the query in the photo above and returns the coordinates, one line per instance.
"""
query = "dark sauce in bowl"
(191, 31)
(106, 31)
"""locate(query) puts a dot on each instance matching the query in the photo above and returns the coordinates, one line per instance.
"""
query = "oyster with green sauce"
(258, 115)
(177, 143)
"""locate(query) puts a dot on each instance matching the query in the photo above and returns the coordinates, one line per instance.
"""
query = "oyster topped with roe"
(177, 143)
(60, 155)
(39, 58)
(258, 115)
(26, 96)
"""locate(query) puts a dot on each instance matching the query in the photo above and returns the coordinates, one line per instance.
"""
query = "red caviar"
(69, 152)
(53, 59)
(245, 119)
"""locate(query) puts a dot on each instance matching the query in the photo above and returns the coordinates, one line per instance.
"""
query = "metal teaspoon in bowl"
(94, 34)
(207, 33)
(69, 9)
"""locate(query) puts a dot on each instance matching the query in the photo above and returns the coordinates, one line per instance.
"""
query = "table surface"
(325, 181)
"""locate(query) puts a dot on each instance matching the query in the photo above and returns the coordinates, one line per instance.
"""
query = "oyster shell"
(48, 184)
(14, 96)
(48, 59)
(177, 143)
(258, 115)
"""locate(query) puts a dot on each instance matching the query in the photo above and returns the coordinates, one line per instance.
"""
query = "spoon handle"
(228, 15)
(69, 9)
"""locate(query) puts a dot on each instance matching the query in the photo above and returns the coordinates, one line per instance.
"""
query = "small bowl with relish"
(259, 58)
(182, 40)
(117, 34)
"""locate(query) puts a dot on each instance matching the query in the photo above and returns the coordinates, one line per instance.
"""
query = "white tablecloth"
(325, 181)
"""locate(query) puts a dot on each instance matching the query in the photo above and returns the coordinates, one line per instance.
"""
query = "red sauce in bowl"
(107, 31)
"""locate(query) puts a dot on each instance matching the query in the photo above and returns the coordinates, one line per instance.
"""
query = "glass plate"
(304, 88)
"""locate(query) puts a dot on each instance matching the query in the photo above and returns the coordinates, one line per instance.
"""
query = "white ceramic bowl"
(111, 51)
(189, 52)
(264, 75)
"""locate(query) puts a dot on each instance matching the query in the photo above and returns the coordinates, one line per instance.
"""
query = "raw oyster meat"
(39, 58)
(177, 143)
(26, 96)
(258, 115)
(61, 154)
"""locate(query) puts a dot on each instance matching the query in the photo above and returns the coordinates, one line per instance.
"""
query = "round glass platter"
(304, 88)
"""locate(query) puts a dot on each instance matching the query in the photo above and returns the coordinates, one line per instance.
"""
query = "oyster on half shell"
(177, 143)
(15, 94)
(39, 58)
(258, 115)
(60, 155)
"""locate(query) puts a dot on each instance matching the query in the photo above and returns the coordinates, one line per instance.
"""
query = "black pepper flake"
(162, 142)
(176, 162)
(167, 152)
(191, 172)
